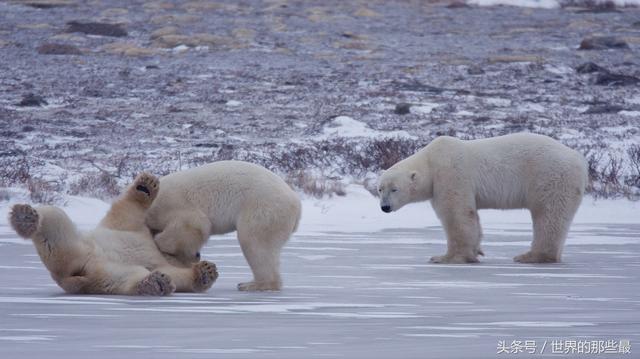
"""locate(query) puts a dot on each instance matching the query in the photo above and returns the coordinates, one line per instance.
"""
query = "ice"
(356, 280)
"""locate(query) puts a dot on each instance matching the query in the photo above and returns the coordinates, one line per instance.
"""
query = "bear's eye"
(379, 189)
(394, 190)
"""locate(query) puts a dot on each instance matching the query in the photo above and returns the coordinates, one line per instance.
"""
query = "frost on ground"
(357, 284)
(94, 92)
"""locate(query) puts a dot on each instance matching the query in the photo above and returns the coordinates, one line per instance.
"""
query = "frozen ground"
(356, 287)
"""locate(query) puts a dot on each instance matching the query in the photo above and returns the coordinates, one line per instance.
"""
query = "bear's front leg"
(127, 213)
(462, 228)
(144, 189)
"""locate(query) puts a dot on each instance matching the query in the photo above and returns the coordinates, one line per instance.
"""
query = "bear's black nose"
(198, 255)
(386, 209)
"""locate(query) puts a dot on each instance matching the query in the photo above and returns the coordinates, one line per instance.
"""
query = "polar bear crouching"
(117, 257)
(223, 197)
(507, 172)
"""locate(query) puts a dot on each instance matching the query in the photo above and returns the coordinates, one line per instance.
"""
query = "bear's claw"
(206, 275)
(24, 220)
(156, 283)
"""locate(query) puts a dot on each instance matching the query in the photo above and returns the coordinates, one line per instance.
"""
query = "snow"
(543, 4)
(344, 126)
(357, 283)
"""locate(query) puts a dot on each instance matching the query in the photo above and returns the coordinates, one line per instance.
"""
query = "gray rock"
(58, 49)
(602, 43)
(30, 100)
(402, 108)
(96, 28)
(600, 109)
(611, 79)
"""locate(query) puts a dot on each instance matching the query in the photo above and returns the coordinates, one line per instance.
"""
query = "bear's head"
(397, 188)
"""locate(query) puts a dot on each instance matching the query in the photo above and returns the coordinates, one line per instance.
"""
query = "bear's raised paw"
(145, 187)
(24, 220)
(206, 275)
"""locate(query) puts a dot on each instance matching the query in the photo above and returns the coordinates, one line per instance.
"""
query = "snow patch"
(542, 4)
(344, 126)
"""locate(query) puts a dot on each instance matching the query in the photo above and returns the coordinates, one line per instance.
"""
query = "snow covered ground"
(357, 284)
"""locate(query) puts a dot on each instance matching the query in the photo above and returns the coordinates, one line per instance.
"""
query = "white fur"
(223, 197)
(513, 171)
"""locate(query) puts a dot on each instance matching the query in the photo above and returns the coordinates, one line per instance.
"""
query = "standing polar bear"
(223, 197)
(117, 257)
(513, 171)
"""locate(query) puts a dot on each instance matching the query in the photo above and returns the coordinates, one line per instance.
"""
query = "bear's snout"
(386, 208)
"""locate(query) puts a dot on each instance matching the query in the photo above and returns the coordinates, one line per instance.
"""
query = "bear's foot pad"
(156, 283)
(206, 275)
(259, 286)
(146, 187)
(24, 220)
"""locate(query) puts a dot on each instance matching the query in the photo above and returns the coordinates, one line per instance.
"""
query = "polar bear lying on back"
(117, 257)
(223, 197)
(513, 171)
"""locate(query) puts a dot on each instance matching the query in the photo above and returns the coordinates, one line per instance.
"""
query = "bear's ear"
(413, 176)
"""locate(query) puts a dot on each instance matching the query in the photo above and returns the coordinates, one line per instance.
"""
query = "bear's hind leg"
(549, 234)
(24, 220)
(550, 228)
(262, 251)
(117, 278)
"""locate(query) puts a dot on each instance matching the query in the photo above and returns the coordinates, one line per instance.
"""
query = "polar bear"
(223, 197)
(117, 257)
(514, 171)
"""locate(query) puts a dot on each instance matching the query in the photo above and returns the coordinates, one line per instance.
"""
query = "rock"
(602, 7)
(47, 4)
(611, 79)
(590, 67)
(475, 70)
(457, 4)
(602, 43)
(402, 108)
(96, 28)
(601, 109)
(58, 49)
(30, 100)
